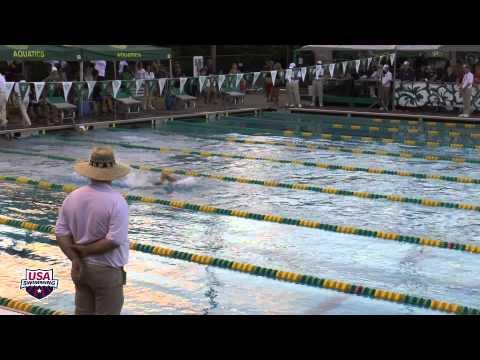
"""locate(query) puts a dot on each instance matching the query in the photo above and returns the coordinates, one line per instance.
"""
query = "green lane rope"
(325, 166)
(264, 217)
(326, 124)
(276, 274)
(321, 117)
(315, 146)
(308, 187)
(27, 307)
(273, 183)
(384, 137)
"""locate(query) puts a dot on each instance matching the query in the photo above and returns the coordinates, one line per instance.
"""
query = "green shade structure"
(121, 52)
(39, 53)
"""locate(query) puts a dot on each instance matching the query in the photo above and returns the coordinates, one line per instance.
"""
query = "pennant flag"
(38, 89)
(392, 58)
(221, 79)
(304, 72)
(331, 68)
(22, 89)
(201, 80)
(151, 85)
(67, 85)
(78, 86)
(357, 65)
(274, 75)
(288, 74)
(369, 61)
(8, 88)
(116, 84)
(381, 58)
(91, 86)
(344, 64)
(138, 85)
(239, 78)
(255, 77)
(161, 84)
(183, 81)
(104, 84)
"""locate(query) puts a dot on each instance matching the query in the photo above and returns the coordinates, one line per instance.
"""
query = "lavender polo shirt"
(96, 212)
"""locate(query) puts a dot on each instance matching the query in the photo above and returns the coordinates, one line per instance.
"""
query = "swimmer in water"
(167, 177)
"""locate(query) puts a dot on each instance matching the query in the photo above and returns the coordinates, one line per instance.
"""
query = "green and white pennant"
(183, 81)
(220, 80)
(8, 88)
(161, 84)
(91, 86)
(116, 84)
(67, 85)
(201, 81)
(239, 78)
(38, 86)
(256, 75)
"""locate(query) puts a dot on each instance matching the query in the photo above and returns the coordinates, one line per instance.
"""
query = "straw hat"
(102, 165)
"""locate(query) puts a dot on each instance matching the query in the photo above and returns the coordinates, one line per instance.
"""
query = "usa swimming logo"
(39, 283)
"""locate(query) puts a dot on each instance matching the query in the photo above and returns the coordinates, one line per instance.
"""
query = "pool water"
(159, 285)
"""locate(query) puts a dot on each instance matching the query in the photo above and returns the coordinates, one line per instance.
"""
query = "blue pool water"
(166, 286)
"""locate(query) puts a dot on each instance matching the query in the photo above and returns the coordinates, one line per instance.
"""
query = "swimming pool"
(167, 286)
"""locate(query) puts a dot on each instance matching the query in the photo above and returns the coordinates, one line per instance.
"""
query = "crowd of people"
(100, 101)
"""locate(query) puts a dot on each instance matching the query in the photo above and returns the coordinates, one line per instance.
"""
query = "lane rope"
(316, 146)
(274, 183)
(375, 129)
(205, 208)
(428, 123)
(325, 166)
(27, 307)
(276, 274)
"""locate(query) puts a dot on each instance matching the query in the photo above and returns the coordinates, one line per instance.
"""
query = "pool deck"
(254, 103)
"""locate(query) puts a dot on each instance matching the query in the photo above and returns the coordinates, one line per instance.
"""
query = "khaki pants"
(385, 97)
(98, 290)
(293, 93)
(467, 101)
(3, 109)
(317, 91)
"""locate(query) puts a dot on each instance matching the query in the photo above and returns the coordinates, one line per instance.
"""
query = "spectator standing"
(234, 69)
(466, 91)
(121, 66)
(54, 77)
(22, 104)
(149, 75)
(293, 91)
(450, 75)
(101, 68)
(3, 102)
(406, 73)
(385, 91)
(268, 80)
(317, 85)
(376, 75)
(141, 74)
(92, 231)
(275, 92)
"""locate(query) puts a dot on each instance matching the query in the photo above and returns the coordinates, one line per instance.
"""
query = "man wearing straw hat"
(92, 231)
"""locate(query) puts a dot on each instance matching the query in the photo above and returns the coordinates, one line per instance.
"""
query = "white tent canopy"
(393, 48)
